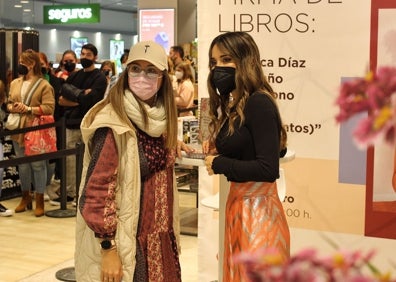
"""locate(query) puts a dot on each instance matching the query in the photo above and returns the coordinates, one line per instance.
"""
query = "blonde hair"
(186, 68)
(31, 57)
(110, 64)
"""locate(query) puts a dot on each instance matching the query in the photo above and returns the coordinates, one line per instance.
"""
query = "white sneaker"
(5, 212)
(57, 201)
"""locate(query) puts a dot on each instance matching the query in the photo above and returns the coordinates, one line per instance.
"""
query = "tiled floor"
(32, 247)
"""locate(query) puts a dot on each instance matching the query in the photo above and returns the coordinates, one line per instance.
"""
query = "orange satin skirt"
(254, 219)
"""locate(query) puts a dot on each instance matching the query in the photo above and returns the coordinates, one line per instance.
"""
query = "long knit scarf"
(156, 115)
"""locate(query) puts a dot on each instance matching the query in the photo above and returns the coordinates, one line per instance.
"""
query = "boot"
(39, 211)
(26, 202)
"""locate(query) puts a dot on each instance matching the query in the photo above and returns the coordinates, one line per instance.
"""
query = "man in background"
(81, 91)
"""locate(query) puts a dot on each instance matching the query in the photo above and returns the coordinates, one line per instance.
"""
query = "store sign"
(71, 14)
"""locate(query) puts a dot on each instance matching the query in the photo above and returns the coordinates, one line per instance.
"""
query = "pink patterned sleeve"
(97, 202)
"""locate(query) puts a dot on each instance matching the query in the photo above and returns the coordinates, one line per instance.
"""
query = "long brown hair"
(249, 79)
(164, 95)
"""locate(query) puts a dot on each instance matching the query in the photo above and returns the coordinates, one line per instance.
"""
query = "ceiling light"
(17, 6)
(27, 10)
(24, 2)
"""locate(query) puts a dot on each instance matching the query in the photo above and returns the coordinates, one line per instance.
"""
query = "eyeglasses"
(151, 72)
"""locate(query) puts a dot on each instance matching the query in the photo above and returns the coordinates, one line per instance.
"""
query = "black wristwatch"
(107, 244)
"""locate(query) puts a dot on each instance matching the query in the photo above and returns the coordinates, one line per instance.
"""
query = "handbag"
(14, 119)
(43, 140)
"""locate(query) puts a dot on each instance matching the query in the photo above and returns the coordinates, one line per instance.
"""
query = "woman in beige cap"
(127, 219)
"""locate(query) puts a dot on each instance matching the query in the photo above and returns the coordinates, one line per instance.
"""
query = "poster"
(157, 25)
(116, 49)
(76, 43)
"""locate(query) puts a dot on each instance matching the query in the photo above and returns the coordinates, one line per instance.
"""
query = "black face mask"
(223, 79)
(69, 66)
(86, 63)
(44, 70)
(23, 70)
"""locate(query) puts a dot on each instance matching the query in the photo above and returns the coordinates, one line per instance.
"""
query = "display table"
(186, 170)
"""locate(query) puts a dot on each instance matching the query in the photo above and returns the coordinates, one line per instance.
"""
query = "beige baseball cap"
(149, 51)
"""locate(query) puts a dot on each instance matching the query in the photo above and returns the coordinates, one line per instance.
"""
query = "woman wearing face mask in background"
(127, 217)
(67, 65)
(42, 102)
(247, 140)
(184, 95)
(108, 69)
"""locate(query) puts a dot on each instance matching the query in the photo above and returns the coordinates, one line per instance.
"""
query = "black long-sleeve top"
(94, 80)
(251, 153)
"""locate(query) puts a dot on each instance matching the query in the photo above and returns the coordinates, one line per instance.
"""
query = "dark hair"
(249, 78)
(124, 57)
(3, 93)
(179, 50)
(69, 51)
(91, 47)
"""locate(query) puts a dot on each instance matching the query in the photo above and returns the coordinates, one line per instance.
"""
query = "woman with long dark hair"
(246, 142)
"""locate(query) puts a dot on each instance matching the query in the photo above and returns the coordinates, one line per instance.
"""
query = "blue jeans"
(36, 171)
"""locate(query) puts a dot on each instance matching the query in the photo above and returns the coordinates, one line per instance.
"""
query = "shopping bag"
(43, 140)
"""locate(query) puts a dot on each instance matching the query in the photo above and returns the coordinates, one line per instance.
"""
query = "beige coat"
(43, 96)
(88, 251)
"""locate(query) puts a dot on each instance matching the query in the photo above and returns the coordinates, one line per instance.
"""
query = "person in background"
(67, 65)
(3, 95)
(42, 103)
(176, 54)
(247, 139)
(53, 166)
(81, 91)
(184, 95)
(108, 69)
(123, 59)
(127, 219)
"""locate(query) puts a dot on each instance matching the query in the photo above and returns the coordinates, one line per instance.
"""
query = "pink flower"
(373, 94)
(308, 266)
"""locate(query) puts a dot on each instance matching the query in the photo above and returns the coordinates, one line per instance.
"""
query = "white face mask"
(143, 87)
(179, 74)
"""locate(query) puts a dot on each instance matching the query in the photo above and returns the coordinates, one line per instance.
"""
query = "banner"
(308, 47)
